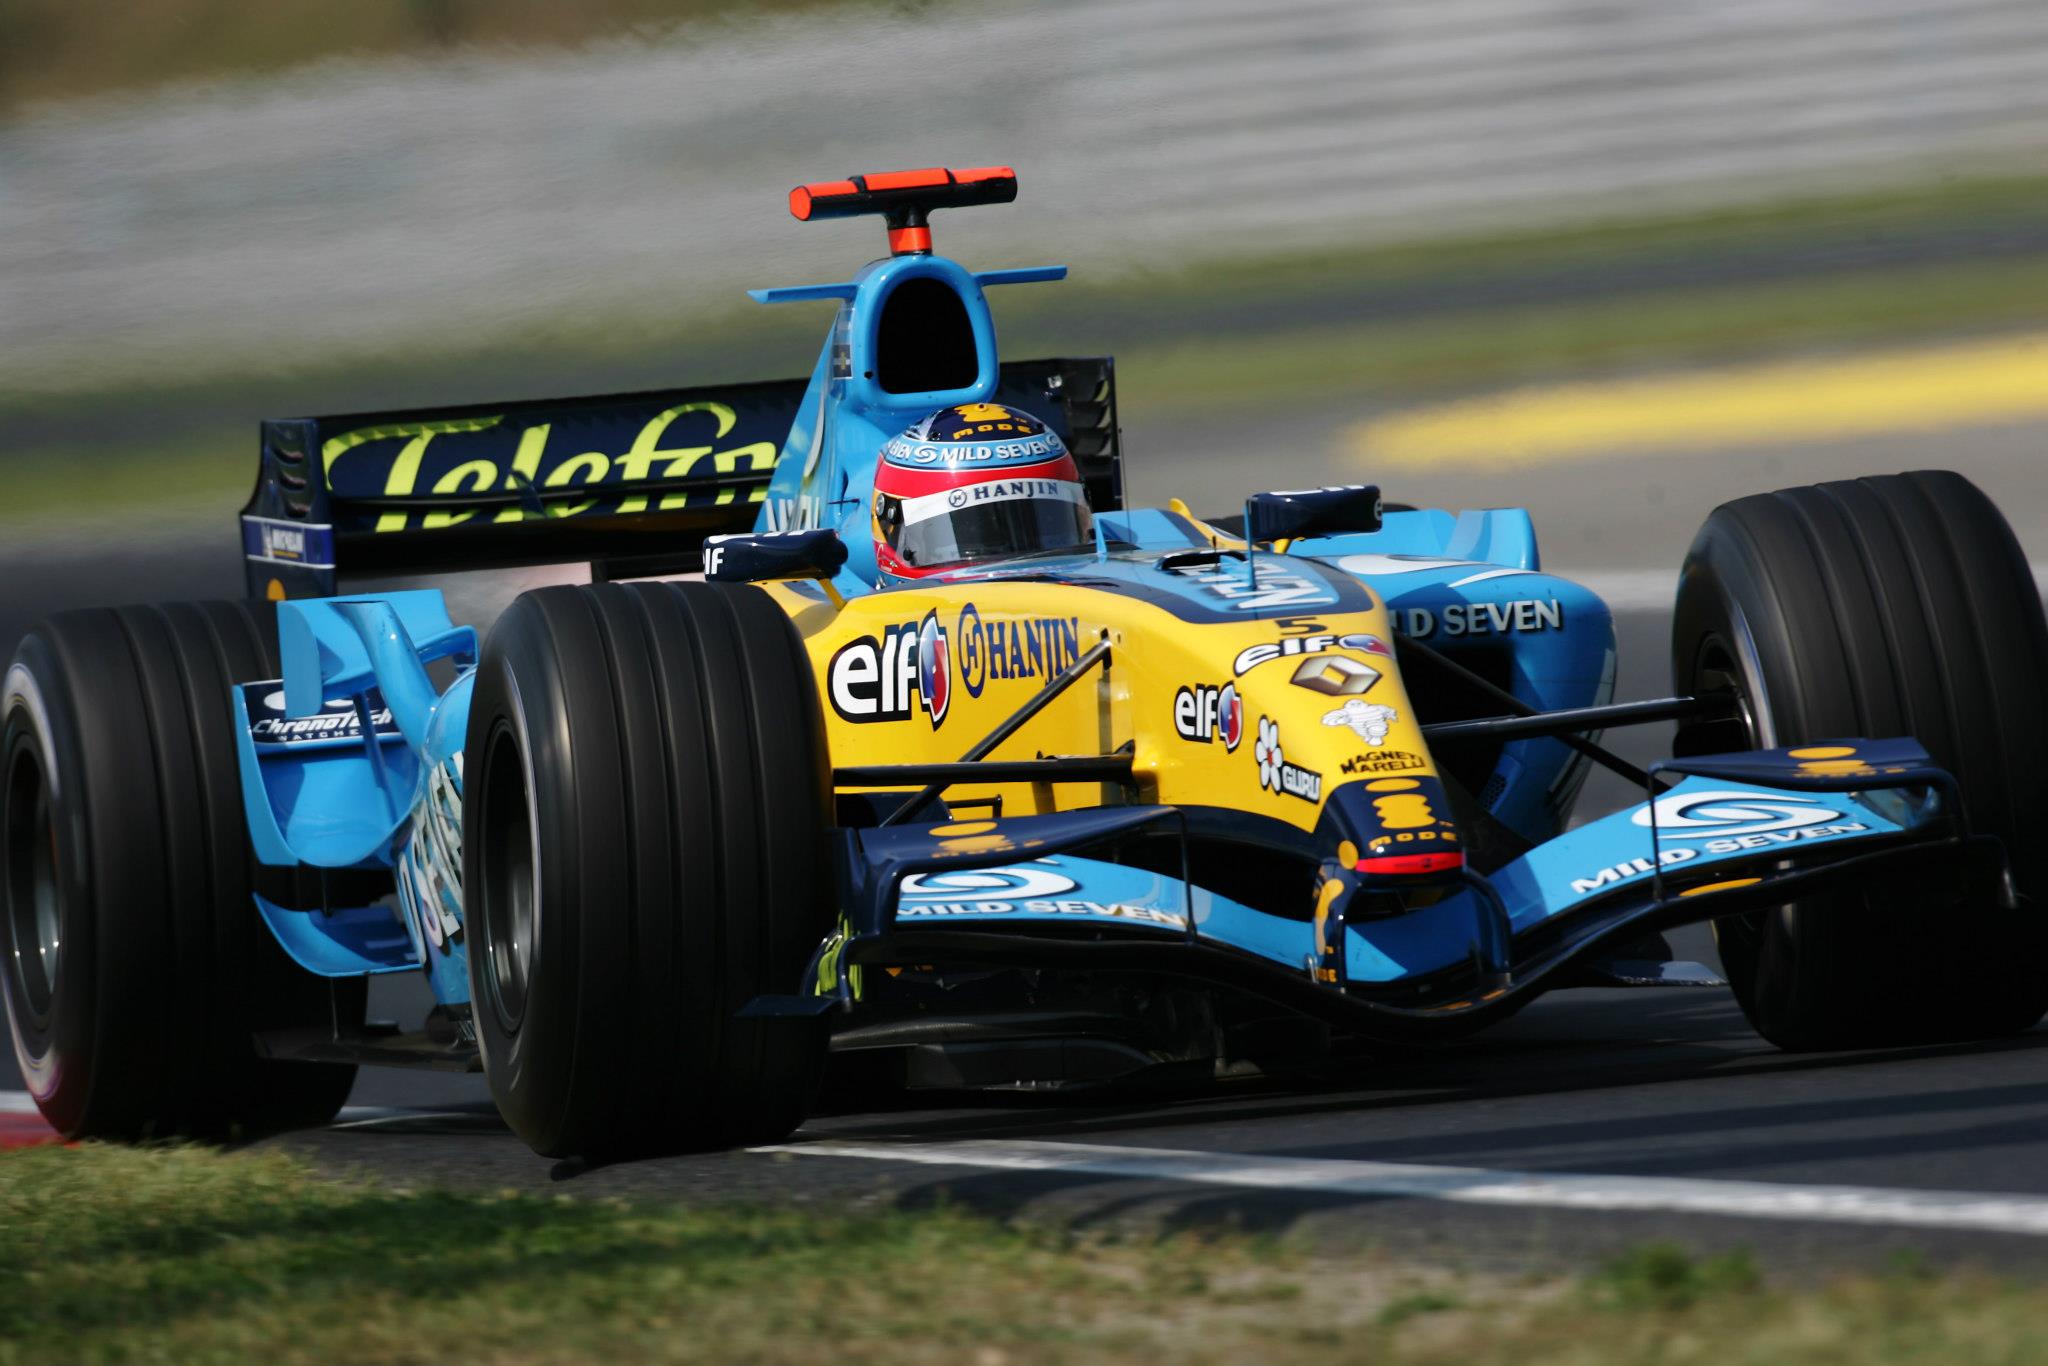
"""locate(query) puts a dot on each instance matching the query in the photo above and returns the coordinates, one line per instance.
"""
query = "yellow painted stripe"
(1806, 400)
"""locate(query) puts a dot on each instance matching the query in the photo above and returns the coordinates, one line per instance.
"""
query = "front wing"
(1735, 833)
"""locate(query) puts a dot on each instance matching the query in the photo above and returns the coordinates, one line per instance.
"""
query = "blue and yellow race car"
(864, 719)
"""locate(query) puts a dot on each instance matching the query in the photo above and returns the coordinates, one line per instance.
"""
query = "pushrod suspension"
(1598, 753)
(1072, 674)
(1571, 720)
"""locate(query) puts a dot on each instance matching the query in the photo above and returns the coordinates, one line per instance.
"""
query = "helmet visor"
(1008, 526)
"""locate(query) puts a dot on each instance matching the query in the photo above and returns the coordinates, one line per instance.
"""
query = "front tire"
(135, 967)
(645, 849)
(1889, 606)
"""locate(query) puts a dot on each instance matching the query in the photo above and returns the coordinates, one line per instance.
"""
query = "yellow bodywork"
(1004, 641)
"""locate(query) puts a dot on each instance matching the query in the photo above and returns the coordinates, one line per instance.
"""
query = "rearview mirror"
(1290, 513)
(750, 557)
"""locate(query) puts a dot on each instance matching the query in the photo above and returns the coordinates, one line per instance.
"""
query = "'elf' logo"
(886, 680)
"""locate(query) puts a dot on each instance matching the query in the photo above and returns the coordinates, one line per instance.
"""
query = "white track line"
(370, 1116)
(1966, 1211)
(1971, 1211)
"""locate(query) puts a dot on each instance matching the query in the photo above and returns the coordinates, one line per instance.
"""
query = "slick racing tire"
(644, 848)
(135, 965)
(1898, 605)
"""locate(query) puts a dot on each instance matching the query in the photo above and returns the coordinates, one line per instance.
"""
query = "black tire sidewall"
(1799, 586)
(166, 970)
(56, 1060)
(673, 759)
(530, 1071)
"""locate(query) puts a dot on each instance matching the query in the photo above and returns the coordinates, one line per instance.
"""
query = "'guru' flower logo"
(1266, 749)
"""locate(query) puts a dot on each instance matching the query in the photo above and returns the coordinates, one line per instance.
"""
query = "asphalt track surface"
(1632, 1089)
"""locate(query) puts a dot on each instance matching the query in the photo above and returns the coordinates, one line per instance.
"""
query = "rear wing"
(630, 483)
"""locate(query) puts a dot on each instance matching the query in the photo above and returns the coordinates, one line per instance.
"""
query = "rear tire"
(135, 966)
(645, 853)
(1888, 606)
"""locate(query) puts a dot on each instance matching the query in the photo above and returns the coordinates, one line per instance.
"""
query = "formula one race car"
(882, 728)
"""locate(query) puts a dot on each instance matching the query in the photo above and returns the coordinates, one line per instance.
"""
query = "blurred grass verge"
(66, 49)
(1653, 328)
(1367, 330)
(193, 1256)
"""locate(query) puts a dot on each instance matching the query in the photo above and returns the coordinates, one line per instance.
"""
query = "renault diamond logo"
(1335, 675)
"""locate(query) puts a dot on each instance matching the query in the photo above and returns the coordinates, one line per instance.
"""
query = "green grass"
(63, 488)
(1313, 328)
(191, 1256)
(1663, 1276)
(1654, 329)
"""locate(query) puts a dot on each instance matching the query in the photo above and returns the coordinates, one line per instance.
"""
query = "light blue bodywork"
(384, 792)
(827, 470)
(379, 795)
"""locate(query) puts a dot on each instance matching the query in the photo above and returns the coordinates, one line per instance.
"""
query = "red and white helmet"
(977, 481)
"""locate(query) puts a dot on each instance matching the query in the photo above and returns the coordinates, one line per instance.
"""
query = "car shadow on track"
(1594, 1083)
(1670, 1043)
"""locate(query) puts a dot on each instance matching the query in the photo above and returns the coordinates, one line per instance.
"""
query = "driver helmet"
(976, 481)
